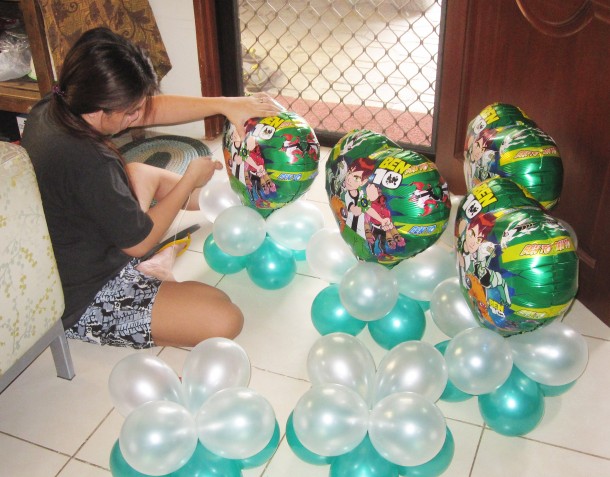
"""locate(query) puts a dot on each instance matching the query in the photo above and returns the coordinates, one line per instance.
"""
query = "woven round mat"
(173, 153)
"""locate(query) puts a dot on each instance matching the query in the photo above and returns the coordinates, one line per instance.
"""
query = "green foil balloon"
(494, 116)
(525, 154)
(390, 203)
(518, 266)
(274, 164)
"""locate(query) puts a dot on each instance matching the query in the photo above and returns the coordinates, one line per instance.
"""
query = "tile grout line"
(73, 456)
(476, 452)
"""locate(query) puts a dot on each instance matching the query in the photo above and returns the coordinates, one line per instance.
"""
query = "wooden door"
(549, 57)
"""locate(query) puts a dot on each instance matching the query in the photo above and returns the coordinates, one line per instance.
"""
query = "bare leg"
(150, 182)
(186, 313)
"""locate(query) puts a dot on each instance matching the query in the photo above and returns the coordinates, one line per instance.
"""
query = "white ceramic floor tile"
(278, 331)
(20, 458)
(579, 418)
(500, 456)
(60, 414)
(76, 468)
(99, 445)
(581, 319)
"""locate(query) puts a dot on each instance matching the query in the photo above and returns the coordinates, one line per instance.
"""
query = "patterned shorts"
(120, 313)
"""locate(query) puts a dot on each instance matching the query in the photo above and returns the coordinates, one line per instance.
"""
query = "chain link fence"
(347, 64)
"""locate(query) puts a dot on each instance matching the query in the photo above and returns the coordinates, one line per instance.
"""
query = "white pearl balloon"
(449, 309)
(215, 197)
(368, 291)
(407, 429)
(553, 355)
(412, 366)
(478, 360)
(330, 419)
(239, 230)
(419, 275)
(294, 224)
(328, 256)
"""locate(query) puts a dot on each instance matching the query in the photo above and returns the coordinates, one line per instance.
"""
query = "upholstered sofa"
(31, 299)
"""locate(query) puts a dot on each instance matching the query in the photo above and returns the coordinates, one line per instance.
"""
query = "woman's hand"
(259, 105)
(202, 169)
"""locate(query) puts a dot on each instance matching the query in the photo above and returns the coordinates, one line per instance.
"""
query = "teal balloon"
(515, 408)
(263, 456)
(300, 255)
(220, 261)
(271, 266)
(451, 393)
(300, 450)
(205, 463)
(363, 461)
(202, 463)
(551, 391)
(119, 466)
(437, 465)
(330, 316)
(425, 305)
(405, 322)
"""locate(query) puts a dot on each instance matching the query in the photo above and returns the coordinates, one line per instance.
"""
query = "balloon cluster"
(385, 421)
(512, 376)
(503, 141)
(381, 422)
(389, 203)
(390, 302)
(208, 422)
(266, 248)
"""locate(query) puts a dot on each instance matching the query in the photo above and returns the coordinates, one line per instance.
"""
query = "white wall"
(176, 22)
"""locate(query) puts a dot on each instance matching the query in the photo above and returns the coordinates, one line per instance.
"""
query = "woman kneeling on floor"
(97, 207)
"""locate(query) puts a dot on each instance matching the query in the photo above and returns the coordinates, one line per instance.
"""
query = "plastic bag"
(15, 55)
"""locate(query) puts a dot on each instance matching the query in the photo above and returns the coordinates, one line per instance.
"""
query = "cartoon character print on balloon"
(389, 203)
(518, 268)
(274, 164)
(503, 141)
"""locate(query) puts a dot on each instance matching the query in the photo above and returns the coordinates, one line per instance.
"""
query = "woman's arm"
(170, 109)
(198, 173)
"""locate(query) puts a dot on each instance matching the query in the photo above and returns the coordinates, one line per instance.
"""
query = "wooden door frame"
(219, 54)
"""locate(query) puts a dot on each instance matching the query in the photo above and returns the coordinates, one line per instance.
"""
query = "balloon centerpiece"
(274, 164)
(211, 421)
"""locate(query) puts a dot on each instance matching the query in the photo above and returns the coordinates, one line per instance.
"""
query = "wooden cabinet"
(20, 95)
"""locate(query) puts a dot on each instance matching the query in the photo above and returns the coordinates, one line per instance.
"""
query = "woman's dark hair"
(102, 71)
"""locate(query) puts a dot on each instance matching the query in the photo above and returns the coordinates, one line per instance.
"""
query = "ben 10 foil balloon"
(274, 164)
(503, 141)
(389, 203)
(518, 267)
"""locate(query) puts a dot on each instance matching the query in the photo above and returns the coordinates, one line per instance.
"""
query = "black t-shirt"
(90, 210)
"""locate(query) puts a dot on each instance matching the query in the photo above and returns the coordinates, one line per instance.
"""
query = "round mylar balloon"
(525, 154)
(389, 203)
(518, 267)
(275, 163)
(494, 116)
